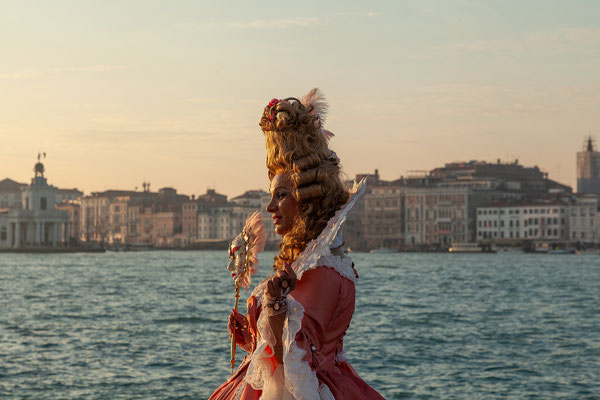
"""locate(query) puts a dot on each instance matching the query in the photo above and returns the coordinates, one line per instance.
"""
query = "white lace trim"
(294, 381)
(325, 393)
(343, 266)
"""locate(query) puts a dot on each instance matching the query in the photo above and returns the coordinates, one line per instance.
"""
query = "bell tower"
(588, 168)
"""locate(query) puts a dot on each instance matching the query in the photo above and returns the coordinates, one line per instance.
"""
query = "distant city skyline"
(148, 186)
(137, 91)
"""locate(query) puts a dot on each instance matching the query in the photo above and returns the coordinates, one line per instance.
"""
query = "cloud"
(25, 74)
(91, 68)
(281, 23)
(220, 100)
(358, 14)
(36, 74)
(561, 42)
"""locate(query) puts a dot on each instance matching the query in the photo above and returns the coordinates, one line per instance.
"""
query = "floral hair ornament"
(272, 104)
(243, 261)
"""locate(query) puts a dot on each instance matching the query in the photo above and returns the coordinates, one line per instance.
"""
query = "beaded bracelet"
(276, 305)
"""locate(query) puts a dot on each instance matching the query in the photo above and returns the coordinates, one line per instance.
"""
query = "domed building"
(36, 223)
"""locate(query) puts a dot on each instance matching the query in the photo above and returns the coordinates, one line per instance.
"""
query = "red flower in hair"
(272, 104)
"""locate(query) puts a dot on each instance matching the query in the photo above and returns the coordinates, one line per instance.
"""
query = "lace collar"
(318, 251)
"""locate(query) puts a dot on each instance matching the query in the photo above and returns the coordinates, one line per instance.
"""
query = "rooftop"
(8, 185)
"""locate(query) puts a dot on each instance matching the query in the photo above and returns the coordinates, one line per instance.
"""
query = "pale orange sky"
(118, 93)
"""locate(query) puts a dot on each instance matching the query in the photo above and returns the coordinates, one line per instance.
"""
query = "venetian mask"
(237, 256)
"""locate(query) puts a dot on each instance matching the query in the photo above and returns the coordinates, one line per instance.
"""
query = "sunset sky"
(121, 92)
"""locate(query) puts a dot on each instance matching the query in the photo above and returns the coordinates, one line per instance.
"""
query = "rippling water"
(427, 326)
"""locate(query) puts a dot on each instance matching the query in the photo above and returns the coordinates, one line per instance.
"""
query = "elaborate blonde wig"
(297, 144)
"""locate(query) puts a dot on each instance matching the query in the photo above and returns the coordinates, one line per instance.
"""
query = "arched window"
(3, 234)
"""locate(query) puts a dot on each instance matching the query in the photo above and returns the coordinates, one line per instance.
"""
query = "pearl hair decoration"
(333, 157)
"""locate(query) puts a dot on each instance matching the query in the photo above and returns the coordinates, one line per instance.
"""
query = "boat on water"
(548, 248)
(383, 250)
(563, 251)
(130, 247)
(472, 247)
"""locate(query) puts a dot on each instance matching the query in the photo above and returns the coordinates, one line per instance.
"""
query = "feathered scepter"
(243, 263)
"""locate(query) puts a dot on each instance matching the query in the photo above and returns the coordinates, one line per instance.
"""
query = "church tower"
(588, 168)
(39, 196)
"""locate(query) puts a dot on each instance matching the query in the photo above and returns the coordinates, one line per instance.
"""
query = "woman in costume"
(297, 318)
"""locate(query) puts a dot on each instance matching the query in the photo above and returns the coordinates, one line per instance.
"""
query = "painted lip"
(276, 219)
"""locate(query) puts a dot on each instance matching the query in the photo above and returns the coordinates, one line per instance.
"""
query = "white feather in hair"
(317, 100)
(327, 134)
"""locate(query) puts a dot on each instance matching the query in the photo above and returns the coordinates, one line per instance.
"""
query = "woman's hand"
(281, 283)
(243, 337)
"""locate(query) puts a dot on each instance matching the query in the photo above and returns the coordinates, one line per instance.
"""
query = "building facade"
(73, 210)
(37, 222)
(384, 216)
(512, 223)
(120, 217)
(437, 216)
(584, 219)
(10, 193)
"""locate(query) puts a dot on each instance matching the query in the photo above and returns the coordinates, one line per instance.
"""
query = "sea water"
(152, 325)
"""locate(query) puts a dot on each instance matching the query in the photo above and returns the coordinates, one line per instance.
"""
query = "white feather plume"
(327, 134)
(317, 100)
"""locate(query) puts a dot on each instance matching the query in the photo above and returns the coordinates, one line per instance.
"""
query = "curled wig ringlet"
(297, 145)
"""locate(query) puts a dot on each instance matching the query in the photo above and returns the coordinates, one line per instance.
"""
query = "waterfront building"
(67, 195)
(258, 200)
(146, 226)
(122, 216)
(436, 208)
(73, 210)
(214, 223)
(192, 208)
(251, 198)
(588, 169)
(118, 221)
(513, 222)
(166, 227)
(559, 219)
(436, 215)
(35, 222)
(189, 219)
(10, 193)
(584, 219)
(376, 220)
(384, 214)
(133, 222)
(498, 176)
(222, 222)
(217, 219)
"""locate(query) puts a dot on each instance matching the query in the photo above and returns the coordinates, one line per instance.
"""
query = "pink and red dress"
(319, 313)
